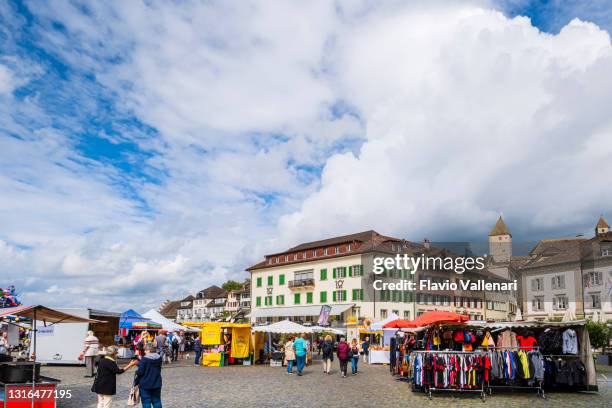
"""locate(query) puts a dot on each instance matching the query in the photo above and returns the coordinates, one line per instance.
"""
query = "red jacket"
(343, 350)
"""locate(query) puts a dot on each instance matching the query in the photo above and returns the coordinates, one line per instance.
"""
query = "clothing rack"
(429, 389)
(539, 388)
(561, 355)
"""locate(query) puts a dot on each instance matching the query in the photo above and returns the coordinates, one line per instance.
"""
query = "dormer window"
(305, 254)
(286, 258)
(314, 252)
(349, 247)
(295, 257)
(325, 251)
(269, 261)
(337, 249)
(277, 259)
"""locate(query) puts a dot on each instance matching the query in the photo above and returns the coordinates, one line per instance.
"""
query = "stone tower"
(500, 242)
(602, 226)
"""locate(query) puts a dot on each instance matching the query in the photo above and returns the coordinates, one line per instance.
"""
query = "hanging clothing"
(507, 339)
(526, 343)
(570, 342)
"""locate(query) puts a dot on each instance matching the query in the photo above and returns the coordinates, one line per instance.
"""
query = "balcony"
(302, 283)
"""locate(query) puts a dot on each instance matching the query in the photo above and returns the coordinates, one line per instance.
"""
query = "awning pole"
(34, 359)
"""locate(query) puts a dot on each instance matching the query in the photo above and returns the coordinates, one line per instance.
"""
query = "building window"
(357, 294)
(286, 258)
(340, 272)
(268, 300)
(558, 282)
(303, 275)
(281, 279)
(325, 251)
(594, 301)
(383, 313)
(270, 280)
(396, 312)
(314, 253)
(309, 297)
(280, 299)
(323, 297)
(337, 249)
(357, 270)
(349, 247)
(340, 296)
(407, 314)
(323, 274)
(305, 254)
(606, 252)
(296, 298)
(537, 303)
(295, 257)
(560, 302)
(592, 279)
(259, 282)
(277, 259)
(269, 261)
(537, 284)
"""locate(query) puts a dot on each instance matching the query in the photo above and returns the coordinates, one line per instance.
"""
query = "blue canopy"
(130, 316)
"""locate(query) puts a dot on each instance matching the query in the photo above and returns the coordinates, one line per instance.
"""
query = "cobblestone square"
(262, 386)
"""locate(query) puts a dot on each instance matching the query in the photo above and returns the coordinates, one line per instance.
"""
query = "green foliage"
(231, 285)
(599, 334)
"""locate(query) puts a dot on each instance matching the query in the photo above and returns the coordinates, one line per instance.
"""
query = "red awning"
(427, 319)
(435, 317)
(45, 314)
(400, 324)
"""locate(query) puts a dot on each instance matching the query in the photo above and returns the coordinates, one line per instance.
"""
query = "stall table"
(378, 357)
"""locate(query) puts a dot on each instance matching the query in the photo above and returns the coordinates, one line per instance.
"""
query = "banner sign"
(324, 315)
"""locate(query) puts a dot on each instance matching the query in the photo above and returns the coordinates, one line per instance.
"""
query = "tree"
(231, 285)
(599, 334)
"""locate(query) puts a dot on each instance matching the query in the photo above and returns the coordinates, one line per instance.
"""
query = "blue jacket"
(300, 347)
(149, 372)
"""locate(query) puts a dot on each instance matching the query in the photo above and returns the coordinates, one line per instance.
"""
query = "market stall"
(458, 355)
(131, 324)
(225, 343)
(20, 381)
(167, 324)
(276, 357)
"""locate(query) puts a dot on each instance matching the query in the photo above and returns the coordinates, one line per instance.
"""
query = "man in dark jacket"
(197, 348)
(149, 377)
(105, 384)
(343, 355)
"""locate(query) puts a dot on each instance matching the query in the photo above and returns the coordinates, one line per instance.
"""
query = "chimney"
(426, 243)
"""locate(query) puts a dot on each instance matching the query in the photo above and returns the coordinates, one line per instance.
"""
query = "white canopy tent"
(283, 327)
(379, 325)
(166, 323)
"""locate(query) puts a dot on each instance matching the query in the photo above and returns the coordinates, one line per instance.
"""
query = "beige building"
(569, 273)
(338, 272)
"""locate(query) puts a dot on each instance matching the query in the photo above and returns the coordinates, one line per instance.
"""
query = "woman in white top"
(90, 352)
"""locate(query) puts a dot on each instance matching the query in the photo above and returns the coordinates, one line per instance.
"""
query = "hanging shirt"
(526, 343)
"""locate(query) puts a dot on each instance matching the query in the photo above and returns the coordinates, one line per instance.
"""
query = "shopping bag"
(134, 398)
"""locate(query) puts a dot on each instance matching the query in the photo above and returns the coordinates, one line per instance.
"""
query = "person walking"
(182, 344)
(327, 348)
(365, 349)
(197, 348)
(148, 377)
(91, 347)
(105, 384)
(354, 355)
(175, 346)
(343, 355)
(300, 346)
(160, 342)
(289, 355)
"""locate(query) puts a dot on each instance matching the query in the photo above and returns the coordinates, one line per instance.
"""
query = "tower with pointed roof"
(500, 242)
(602, 226)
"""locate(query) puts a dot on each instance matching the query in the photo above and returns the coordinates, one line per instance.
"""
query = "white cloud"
(462, 113)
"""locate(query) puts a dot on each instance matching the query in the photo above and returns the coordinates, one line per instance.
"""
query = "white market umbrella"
(379, 325)
(320, 329)
(518, 317)
(283, 327)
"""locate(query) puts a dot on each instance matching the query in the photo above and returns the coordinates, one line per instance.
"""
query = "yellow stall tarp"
(211, 333)
(241, 340)
(211, 359)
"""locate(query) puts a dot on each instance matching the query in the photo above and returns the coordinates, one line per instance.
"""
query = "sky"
(151, 149)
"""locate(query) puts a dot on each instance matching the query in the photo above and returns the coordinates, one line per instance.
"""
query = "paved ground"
(261, 386)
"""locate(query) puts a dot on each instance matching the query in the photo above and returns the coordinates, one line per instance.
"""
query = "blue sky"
(148, 148)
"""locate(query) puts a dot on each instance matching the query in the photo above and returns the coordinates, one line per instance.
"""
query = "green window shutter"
(296, 298)
(281, 279)
(259, 282)
(309, 297)
(270, 280)
(334, 292)
(258, 301)
(360, 294)
(354, 294)
(344, 295)
(350, 271)
(334, 273)
(323, 274)
(323, 297)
